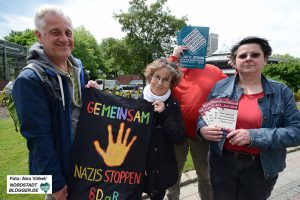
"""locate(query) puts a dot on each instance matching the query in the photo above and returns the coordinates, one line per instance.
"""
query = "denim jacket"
(280, 126)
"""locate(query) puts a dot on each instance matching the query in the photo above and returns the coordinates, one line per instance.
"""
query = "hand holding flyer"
(220, 112)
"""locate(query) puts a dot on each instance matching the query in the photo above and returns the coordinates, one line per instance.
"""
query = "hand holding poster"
(110, 147)
(195, 38)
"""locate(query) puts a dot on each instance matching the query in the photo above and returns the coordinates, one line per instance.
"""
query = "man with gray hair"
(48, 118)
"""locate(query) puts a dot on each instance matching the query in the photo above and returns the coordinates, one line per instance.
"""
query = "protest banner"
(110, 147)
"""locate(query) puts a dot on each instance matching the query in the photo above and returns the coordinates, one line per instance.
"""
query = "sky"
(276, 20)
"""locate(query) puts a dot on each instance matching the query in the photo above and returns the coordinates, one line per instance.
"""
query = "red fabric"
(173, 59)
(193, 91)
(249, 117)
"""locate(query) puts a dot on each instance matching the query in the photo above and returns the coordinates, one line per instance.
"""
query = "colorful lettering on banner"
(110, 147)
(119, 113)
(97, 194)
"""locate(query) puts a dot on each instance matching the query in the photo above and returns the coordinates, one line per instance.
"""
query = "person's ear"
(38, 35)
(232, 64)
(266, 61)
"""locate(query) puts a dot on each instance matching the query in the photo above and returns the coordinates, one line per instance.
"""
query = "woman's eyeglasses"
(164, 81)
(252, 55)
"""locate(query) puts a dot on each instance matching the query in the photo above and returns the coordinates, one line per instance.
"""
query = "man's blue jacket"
(46, 121)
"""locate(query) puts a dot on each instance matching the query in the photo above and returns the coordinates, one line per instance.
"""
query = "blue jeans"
(238, 178)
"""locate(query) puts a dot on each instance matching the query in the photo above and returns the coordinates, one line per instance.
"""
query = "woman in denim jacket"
(244, 164)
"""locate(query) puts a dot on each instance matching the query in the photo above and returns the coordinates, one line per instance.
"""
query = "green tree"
(88, 51)
(285, 57)
(114, 53)
(24, 38)
(286, 72)
(118, 57)
(150, 30)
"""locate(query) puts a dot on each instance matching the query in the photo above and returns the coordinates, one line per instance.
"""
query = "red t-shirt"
(249, 117)
(193, 91)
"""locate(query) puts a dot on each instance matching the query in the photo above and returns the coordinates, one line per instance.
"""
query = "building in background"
(12, 60)
(213, 41)
(220, 59)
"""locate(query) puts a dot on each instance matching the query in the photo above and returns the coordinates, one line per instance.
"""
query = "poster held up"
(195, 38)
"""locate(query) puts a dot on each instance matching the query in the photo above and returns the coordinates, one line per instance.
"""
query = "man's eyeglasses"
(164, 81)
(252, 55)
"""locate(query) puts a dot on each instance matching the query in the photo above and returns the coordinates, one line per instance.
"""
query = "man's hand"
(116, 151)
(178, 51)
(61, 194)
(92, 84)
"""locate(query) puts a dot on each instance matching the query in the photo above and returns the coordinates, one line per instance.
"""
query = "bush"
(285, 72)
(129, 94)
(297, 95)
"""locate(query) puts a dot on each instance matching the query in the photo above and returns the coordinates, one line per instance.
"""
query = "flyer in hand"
(220, 112)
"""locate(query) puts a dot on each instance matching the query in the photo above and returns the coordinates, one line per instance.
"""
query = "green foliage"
(286, 72)
(24, 38)
(286, 57)
(119, 57)
(128, 94)
(88, 51)
(297, 95)
(116, 56)
(150, 30)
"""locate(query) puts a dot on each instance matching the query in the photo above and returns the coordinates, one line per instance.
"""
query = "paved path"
(288, 183)
(287, 186)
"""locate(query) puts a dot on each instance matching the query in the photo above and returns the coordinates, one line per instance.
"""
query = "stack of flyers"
(220, 112)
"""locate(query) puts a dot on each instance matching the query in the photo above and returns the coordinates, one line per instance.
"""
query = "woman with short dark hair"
(244, 164)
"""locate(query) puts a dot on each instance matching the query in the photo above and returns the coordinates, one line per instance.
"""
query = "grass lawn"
(188, 164)
(14, 160)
